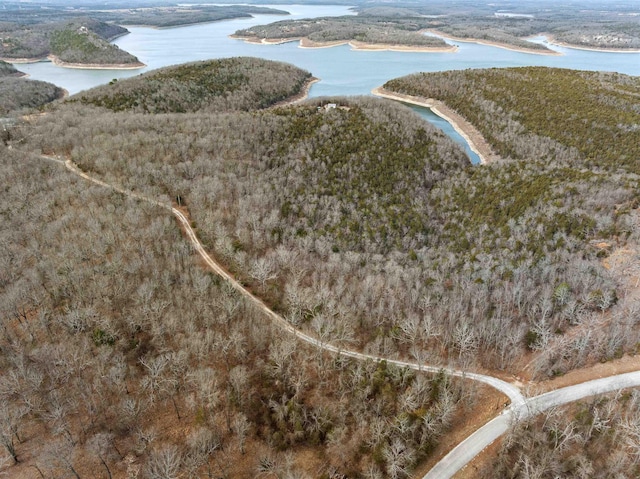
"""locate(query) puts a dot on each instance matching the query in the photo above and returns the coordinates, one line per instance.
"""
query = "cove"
(341, 70)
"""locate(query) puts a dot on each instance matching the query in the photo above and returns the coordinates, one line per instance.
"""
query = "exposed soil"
(488, 403)
(506, 46)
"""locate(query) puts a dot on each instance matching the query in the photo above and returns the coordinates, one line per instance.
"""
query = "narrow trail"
(519, 409)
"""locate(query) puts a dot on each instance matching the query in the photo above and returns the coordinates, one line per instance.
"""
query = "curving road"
(464, 452)
(519, 409)
(511, 391)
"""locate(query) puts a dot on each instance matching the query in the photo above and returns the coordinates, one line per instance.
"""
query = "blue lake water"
(341, 70)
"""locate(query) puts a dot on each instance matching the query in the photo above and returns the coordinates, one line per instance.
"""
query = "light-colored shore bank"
(303, 95)
(265, 41)
(358, 45)
(24, 60)
(504, 46)
(466, 130)
(355, 44)
(83, 66)
(96, 66)
(553, 41)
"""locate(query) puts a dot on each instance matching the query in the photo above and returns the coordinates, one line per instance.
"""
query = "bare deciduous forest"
(358, 222)
(122, 357)
(594, 25)
(81, 40)
(18, 93)
(596, 438)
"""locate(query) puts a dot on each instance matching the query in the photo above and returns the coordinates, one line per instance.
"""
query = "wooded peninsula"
(513, 28)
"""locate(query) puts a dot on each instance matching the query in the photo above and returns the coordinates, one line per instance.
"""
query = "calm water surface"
(342, 71)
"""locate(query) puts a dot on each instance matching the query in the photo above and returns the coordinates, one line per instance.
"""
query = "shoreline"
(466, 130)
(96, 66)
(297, 98)
(82, 66)
(378, 47)
(24, 60)
(354, 44)
(551, 39)
(265, 41)
(490, 43)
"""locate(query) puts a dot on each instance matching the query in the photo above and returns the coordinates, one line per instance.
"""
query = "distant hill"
(215, 85)
(17, 93)
(20, 93)
(157, 14)
(174, 16)
(78, 44)
(365, 29)
(6, 69)
(82, 40)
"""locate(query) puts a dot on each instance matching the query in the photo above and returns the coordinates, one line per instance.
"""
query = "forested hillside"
(215, 85)
(6, 70)
(82, 40)
(366, 29)
(73, 44)
(121, 356)
(17, 93)
(573, 118)
(362, 225)
(566, 195)
(20, 93)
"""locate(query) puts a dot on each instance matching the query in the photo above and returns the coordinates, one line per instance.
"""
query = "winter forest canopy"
(362, 225)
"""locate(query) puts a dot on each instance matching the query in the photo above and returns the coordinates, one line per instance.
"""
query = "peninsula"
(20, 94)
(403, 28)
(361, 32)
(81, 43)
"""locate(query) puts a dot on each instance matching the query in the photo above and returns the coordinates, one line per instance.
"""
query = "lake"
(341, 70)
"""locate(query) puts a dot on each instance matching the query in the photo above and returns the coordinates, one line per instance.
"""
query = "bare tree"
(10, 417)
(399, 458)
(101, 445)
(262, 270)
(164, 463)
(241, 426)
